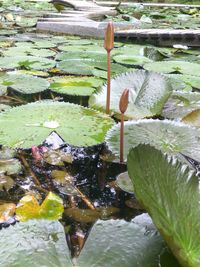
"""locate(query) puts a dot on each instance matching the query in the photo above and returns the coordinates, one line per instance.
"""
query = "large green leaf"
(30, 124)
(183, 67)
(111, 243)
(26, 84)
(148, 93)
(168, 136)
(170, 193)
(119, 243)
(35, 244)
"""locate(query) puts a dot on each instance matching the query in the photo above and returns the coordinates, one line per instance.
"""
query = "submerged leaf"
(193, 118)
(169, 191)
(7, 211)
(6, 182)
(50, 209)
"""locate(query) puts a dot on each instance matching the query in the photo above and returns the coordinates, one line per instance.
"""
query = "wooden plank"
(129, 4)
(163, 37)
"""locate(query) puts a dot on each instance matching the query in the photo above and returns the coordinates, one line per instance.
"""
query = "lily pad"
(180, 104)
(10, 166)
(80, 55)
(26, 84)
(4, 107)
(30, 124)
(148, 92)
(189, 80)
(124, 182)
(110, 243)
(79, 66)
(171, 137)
(81, 86)
(164, 186)
(27, 62)
(131, 60)
(174, 66)
(41, 242)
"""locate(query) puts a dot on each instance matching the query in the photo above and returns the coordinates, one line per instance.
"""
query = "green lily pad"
(124, 182)
(26, 22)
(27, 62)
(78, 48)
(164, 186)
(178, 84)
(168, 136)
(3, 89)
(38, 73)
(131, 60)
(30, 124)
(41, 52)
(4, 107)
(26, 84)
(110, 243)
(189, 80)
(80, 42)
(41, 242)
(148, 93)
(80, 86)
(7, 32)
(80, 55)
(44, 44)
(182, 67)
(180, 104)
(79, 66)
(119, 243)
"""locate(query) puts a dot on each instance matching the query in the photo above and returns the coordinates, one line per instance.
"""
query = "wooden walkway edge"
(84, 19)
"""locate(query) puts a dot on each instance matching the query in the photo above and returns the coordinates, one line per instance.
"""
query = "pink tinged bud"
(123, 103)
(43, 149)
(109, 37)
(36, 153)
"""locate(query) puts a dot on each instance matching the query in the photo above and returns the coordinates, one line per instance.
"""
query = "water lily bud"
(123, 103)
(109, 37)
(36, 153)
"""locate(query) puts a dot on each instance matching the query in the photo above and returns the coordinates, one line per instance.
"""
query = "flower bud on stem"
(108, 45)
(123, 105)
